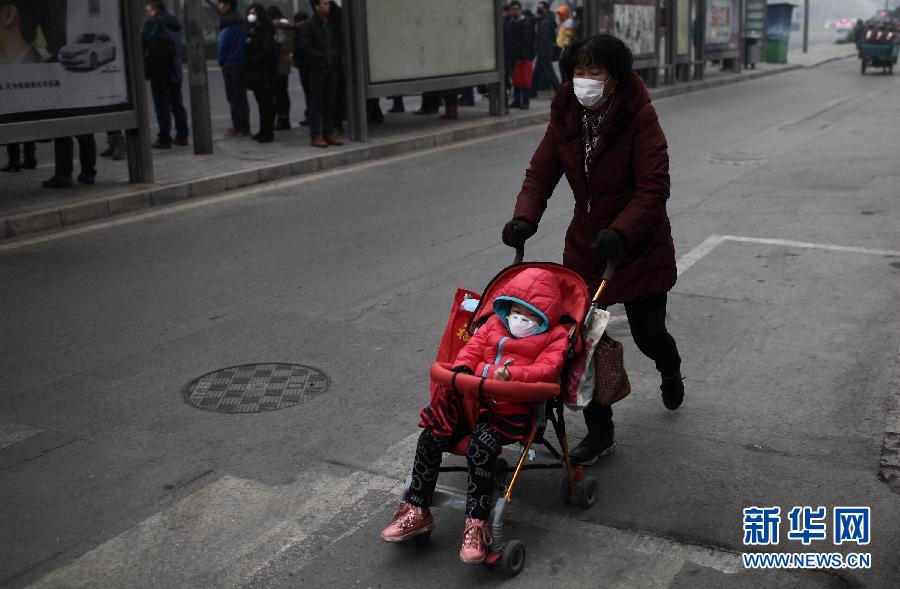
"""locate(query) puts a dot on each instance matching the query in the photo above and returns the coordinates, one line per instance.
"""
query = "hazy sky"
(832, 9)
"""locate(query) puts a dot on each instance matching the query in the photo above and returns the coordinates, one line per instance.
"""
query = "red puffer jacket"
(536, 358)
(627, 191)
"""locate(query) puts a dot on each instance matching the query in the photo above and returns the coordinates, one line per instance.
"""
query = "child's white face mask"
(521, 326)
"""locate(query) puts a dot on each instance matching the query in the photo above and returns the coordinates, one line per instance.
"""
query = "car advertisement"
(60, 55)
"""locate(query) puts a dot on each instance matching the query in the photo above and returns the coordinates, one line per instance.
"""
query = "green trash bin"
(776, 51)
(778, 32)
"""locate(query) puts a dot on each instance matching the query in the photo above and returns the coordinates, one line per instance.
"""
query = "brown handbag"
(612, 383)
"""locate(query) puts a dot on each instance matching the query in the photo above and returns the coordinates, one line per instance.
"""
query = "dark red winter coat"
(536, 358)
(628, 189)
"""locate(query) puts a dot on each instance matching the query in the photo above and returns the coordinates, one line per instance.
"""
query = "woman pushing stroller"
(522, 341)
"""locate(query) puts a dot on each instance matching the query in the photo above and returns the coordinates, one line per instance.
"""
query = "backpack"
(159, 54)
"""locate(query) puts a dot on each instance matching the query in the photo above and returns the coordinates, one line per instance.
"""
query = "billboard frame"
(133, 118)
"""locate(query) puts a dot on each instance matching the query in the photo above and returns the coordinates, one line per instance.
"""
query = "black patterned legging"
(481, 456)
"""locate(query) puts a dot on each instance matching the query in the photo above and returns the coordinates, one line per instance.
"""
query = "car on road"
(88, 52)
(843, 26)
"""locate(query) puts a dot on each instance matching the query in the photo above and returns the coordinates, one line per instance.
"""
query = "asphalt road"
(787, 323)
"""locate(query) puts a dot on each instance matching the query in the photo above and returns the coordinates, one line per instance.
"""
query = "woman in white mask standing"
(605, 137)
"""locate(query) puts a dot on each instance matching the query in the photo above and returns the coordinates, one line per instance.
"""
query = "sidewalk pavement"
(26, 207)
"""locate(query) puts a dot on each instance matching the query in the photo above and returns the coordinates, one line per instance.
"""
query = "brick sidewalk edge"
(146, 196)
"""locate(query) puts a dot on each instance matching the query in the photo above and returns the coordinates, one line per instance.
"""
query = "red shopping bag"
(455, 333)
(522, 74)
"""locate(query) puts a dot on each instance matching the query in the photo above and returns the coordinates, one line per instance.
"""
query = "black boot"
(283, 124)
(672, 389)
(598, 442)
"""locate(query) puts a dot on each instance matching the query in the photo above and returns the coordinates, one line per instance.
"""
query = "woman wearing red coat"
(605, 137)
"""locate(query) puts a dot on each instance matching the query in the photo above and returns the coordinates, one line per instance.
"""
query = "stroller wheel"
(513, 560)
(587, 492)
(501, 473)
(422, 539)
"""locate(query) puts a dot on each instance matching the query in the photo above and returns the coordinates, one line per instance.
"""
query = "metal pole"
(201, 120)
(140, 158)
(805, 26)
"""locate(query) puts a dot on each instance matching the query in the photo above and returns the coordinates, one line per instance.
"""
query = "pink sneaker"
(409, 521)
(476, 541)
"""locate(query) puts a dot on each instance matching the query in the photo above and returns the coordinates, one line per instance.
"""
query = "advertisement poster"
(635, 24)
(723, 25)
(59, 55)
(683, 26)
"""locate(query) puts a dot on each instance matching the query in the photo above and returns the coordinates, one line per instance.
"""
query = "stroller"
(548, 401)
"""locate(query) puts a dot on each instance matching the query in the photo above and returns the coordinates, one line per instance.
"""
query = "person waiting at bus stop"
(261, 68)
(230, 50)
(320, 52)
(162, 58)
(605, 137)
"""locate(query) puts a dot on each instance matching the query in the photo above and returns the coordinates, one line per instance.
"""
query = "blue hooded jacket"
(232, 45)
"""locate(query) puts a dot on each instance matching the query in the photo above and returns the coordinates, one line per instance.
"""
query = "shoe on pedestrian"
(451, 112)
(86, 178)
(476, 541)
(57, 182)
(264, 138)
(160, 144)
(672, 388)
(108, 151)
(425, 112)
(117, 148)
(396, 110)
(597, 443)
(304, 123)
(409, 521)
(181, 142)
(319, 141)
(283, 124)
(11, 167)
(334, 140)
(232, 132)
(29, 164)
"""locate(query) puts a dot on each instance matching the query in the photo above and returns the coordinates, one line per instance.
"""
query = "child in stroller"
(523, 341)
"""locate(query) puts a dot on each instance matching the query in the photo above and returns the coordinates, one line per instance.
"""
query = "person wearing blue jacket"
(230, 52)
(163, 49)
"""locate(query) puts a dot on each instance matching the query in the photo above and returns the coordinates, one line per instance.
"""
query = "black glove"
(462, 370)
(517, 231)
(610, 244)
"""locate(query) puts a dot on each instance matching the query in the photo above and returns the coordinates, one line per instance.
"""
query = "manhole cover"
(256, 387)
(738, 158)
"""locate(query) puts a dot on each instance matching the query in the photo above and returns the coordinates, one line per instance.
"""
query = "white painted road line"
(808, 245)
(13, 433)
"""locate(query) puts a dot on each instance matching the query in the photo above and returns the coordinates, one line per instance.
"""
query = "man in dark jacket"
(519, 39)
(544, 74)
(319, 44)
(230, 52)
(163, 46)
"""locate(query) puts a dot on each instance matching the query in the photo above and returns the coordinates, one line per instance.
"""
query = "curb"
(48, 220)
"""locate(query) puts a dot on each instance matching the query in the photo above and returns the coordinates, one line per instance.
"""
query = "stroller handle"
(607, 276)
(520, 254)
(472, 386)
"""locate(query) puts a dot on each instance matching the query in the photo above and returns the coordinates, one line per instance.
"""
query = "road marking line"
(698, 253)
(13, 433)
(809, 245)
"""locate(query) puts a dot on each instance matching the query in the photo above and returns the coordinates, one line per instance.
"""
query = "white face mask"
(521, 326)
(588, 92)
(251, 18)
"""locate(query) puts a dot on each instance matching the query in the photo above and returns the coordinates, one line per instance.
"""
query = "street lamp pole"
(805, 26)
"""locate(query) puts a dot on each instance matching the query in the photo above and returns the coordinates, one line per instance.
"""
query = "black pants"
(236, 92)
(282, 98)
(14, 151)
(168, 103)
(481, 456)
(266, 104)
(544, 75)
(323, 94)
(647, 319)
(87, 152)
(304, 83)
